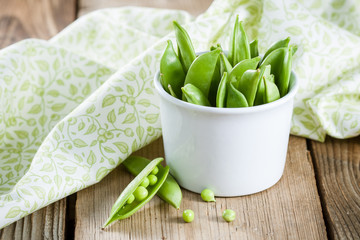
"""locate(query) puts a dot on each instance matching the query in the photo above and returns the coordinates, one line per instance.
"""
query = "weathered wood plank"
(194, 7)
(43, 19)
(290, 209)
(46, 223)
(337, 167)
(21, 19)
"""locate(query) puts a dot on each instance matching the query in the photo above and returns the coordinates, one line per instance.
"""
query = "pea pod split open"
(123, 208)
(170, 191)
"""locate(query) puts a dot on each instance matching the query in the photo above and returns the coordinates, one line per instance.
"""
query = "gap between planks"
(337, 168)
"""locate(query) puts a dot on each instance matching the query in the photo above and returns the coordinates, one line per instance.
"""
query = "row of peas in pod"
(240, 78)
(153, 178)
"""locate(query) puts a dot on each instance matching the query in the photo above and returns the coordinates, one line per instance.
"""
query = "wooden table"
(317, 198)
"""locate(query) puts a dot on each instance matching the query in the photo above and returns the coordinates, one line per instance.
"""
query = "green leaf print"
(79, 143)
(43, 65)
(13, 212)
(21, 134)
(130, 118)
(122, 146)
(108, 100)
(111, 117)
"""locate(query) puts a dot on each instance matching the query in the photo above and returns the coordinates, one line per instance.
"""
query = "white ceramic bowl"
(233, 151)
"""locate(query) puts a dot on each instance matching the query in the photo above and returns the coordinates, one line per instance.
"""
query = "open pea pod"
(248, 85)
(254, 49)
(279, 44)
(235, 98)
(271, 92)
(281, 63)
(264, 73)
(239, 69)
(170, 191)
(171, 71)
(194, 95)
(186, 49)
(121, 209)
(221, 93)
(239, 48)
(202, 70)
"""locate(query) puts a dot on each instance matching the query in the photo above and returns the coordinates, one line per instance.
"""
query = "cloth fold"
(74, 107)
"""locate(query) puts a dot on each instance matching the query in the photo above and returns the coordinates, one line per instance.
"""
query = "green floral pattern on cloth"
(74, 107)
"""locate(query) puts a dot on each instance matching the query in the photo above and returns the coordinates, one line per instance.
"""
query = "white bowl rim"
(294, 85)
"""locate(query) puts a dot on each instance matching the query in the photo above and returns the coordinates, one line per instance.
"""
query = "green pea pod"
(172, 91)
(239, 69)
(254, 49)
(225, 65)
(294, 49)
(186, 49)
(202, 70)
(221, 93)
(248, 85)
(215, 83)
(271, 91)
(121, 208)
(239, 46)
(265, 73)
(279, 44)
(235, 98)
(170, 191)
(281, 62)
(171, 70)
(194, 95)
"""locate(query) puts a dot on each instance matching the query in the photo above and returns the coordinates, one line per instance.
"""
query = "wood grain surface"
(20, 19)
(292, 209)
(337, 165)
(195, 7)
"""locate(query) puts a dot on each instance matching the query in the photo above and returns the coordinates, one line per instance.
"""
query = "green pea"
(140, 193)
(152, 179)
(170, 191)
(130, 199)
(155, 171)
(188, 215)
(229, 215)
(194, 95)
(121, 209)
(145, 182)
(248, 85)
(208, 195)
